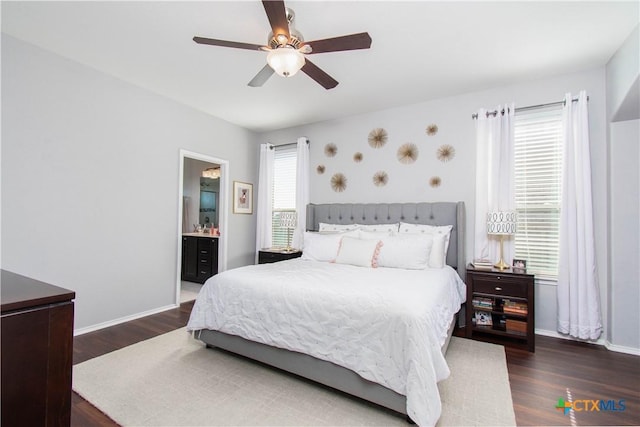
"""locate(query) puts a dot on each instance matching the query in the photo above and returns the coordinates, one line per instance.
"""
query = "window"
(538, 180)
(284, 190)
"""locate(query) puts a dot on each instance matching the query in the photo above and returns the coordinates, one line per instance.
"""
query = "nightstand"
(266, 256)
(500, 307)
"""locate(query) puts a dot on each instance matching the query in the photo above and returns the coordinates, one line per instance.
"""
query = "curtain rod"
(271, 146)
(493, 113)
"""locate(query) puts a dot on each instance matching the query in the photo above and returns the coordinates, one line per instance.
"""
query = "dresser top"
(19, 292)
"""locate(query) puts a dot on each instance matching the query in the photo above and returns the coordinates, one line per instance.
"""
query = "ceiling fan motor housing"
(295, 36)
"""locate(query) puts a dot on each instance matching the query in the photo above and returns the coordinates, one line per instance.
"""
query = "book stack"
(516, 326)
(482, 264)
(515, 307)
(483, 303)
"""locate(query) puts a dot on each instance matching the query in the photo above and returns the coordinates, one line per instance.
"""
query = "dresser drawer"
(500, 285)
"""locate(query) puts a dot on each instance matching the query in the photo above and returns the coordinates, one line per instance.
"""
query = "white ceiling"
(420, 51)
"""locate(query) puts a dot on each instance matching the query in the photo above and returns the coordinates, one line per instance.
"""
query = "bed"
(261, 293)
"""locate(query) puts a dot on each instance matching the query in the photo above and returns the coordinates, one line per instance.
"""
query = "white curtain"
(264, 226)
(302, 191)
(578, 293)
(494, 178)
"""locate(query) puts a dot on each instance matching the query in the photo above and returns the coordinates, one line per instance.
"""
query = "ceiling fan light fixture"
(286, 61)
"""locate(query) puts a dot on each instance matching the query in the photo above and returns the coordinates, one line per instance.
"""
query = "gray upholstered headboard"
(441, 213)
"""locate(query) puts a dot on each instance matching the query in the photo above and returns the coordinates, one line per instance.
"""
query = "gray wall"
(453, 117)
(623, 113)
(79, 150)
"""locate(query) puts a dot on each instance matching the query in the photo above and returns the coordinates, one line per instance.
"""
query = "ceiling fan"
(287, 48)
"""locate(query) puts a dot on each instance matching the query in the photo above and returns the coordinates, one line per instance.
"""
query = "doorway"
(202, 204)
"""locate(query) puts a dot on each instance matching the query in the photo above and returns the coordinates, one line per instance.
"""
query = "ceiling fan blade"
(262, 76)
(225, 43)
(313, 71)
(335, 44)
(277, 14)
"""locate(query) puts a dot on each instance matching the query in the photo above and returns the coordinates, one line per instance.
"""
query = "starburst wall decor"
(330, 150)
(408, 153)
(432, 130)
(378, 137)
(320, 169)
(380, 179)
(446, 152)
(339, 182)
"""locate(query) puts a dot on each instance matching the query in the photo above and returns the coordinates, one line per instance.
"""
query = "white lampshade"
(285, 61)
(288, 220)
(502, 223)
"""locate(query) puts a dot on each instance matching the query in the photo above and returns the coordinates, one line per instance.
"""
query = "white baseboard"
(103, 325)
(601, 341)
(622, 349)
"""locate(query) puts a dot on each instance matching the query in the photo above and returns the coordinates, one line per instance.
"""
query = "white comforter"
(385, 324)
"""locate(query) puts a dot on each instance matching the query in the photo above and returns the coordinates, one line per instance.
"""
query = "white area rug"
(173, 380)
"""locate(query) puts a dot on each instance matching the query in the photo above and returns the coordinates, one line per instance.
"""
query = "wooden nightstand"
(500, 307)
(266, 256)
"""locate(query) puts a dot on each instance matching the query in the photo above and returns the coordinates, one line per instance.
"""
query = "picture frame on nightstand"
(519, 265)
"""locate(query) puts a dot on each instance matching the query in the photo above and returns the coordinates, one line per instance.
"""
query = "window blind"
(538, 180)
(284, 191)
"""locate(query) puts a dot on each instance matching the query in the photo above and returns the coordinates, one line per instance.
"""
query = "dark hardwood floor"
(537, 379)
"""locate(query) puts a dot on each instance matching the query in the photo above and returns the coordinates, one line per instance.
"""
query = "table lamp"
(501, 223)
(288, 221)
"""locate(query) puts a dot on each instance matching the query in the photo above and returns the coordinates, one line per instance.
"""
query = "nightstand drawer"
(500, 285)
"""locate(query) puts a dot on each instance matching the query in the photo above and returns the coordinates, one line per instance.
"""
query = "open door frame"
(223, 215)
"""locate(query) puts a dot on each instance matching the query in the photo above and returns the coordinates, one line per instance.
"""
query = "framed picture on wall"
(242, 197)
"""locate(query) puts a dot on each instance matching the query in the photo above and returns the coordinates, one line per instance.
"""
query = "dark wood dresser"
(36, 352)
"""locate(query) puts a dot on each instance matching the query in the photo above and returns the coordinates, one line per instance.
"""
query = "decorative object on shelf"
(446, 152)
(519, 265)
(339, 182)
(242, 197)
(320, 169)
(501, 224)
(408, 153)
(330, 150)
(435, 181)
(432, 129)
(288, 221)
(378, 137)
(357, 157)
(380, 179)
(213, 173)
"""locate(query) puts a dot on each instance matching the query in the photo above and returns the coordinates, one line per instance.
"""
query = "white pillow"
(359, 252)
(368, 235)
(323, 226)
(438, 254)
(320, 247)
(410, 251)
(434, 230)
(392, 228)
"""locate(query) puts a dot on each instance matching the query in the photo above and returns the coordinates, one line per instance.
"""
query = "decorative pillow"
(392, 228)
(321, 247)
(434, 230)
(323, 226)
(363, 253)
